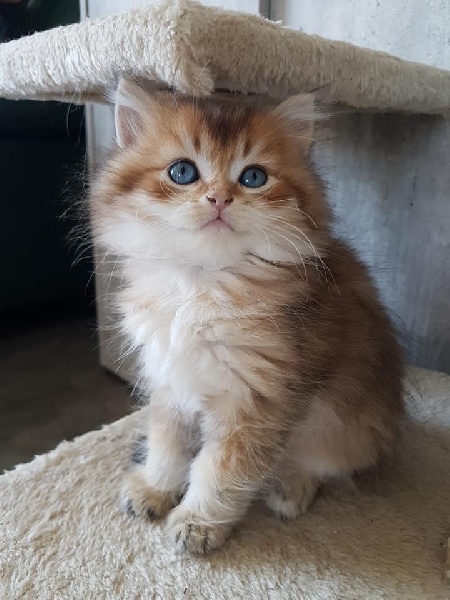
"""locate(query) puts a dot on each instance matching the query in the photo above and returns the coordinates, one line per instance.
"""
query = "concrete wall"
(389, 175)
(416, 30)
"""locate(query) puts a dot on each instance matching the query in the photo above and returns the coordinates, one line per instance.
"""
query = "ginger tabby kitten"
(268, 360)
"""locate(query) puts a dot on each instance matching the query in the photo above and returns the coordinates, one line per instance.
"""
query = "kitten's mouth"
(217, 223)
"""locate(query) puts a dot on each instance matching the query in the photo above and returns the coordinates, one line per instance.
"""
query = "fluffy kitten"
(268, 360)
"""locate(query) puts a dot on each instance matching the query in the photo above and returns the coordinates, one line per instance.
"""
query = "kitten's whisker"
(294, 262)
(324, 266)
(316, 253)
(302, 233)
(268, 242)
(308, 242)
(97, 267)
(282, 203)
(267, 192)
(113, 271)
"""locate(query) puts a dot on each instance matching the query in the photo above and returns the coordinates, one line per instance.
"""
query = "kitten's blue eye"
(183, 172)
(253, 177)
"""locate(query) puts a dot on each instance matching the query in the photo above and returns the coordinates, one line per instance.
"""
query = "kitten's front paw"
(140, 499)
(193, 534)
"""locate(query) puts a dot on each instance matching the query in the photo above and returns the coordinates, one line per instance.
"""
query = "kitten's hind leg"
(291, 494)
(159, 475)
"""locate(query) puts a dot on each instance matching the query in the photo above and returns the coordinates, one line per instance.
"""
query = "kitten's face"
(209, 182)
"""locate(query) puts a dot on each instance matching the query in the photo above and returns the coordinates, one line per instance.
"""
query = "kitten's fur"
(267, 357)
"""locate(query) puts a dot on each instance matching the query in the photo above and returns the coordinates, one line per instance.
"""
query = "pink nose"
(219, 198)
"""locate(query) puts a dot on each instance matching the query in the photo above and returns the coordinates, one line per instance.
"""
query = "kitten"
(268, 360)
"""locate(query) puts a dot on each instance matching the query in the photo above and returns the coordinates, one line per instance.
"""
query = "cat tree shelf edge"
(197, 49)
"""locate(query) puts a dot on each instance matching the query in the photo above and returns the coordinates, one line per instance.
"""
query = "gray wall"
(389, 186)
(389, 175)
(416, 30)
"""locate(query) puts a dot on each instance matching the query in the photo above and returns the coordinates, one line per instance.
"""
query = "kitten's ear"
(299, 113)
(130, 104)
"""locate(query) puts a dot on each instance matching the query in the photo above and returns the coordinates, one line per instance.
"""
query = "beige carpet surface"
(62, 535)
(197, 49)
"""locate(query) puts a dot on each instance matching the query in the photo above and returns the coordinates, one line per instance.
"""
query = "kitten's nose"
(220, 198)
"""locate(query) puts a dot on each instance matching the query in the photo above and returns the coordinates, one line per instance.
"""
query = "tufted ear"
(299, 114)
(131, 105)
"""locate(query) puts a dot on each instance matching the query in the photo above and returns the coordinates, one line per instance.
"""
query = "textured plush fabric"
(62, 535)
(197, 49)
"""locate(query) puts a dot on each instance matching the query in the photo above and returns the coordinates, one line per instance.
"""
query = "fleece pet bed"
(198, 49)
(63, 536)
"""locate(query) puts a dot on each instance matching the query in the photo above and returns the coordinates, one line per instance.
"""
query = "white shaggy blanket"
(197, 49)
(62, 535)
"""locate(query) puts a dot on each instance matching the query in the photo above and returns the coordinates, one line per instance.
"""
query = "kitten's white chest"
(181, 348)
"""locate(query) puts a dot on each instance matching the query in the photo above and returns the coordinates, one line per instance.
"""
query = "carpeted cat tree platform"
(62, 534)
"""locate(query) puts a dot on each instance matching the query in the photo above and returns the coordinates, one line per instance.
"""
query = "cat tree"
(197, 49)
(62, 533)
